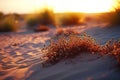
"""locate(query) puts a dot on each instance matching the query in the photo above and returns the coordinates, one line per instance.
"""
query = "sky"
(28, 6)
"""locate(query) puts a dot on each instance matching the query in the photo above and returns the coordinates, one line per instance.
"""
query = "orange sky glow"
(28, 6)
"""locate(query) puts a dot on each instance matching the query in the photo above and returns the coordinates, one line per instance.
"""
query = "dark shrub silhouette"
(8, 24)
(70, 19)
(45, 17)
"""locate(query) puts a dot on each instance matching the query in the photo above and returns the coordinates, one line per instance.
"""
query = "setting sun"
(27, 6)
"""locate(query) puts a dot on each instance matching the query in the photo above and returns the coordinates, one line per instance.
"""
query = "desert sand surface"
(20, 58)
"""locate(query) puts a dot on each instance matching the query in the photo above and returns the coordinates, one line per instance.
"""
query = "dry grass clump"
(1, 15)
(115, 49)
(8, 24)
(69, 47)
(44, 17)
(73, 45)
(66, 31)
(41, 28)
(59, 31)
(32, 22)
(112, 47)
(113, 18)
(71, 19)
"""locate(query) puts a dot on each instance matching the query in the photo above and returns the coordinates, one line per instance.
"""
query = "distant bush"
(73, 45)
(70, 19)
(8, 24)
(1, 15)
(32, 22)
(41, 28)
(45, 17)
(115, 18)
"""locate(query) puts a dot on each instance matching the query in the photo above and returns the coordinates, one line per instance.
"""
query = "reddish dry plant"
(59, 31)
(116, 50)
(67, 31)
(41, 28)
(68, 47)
(111, 47)
(73, 45)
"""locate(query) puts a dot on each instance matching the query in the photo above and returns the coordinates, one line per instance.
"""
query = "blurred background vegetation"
(8, 22)
(71, 19)
(113, 17)
(45, 18)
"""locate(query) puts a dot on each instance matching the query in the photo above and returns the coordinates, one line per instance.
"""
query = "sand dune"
(20, 58)
(100, 68)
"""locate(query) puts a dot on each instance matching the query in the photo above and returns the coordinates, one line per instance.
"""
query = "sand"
(20, 58)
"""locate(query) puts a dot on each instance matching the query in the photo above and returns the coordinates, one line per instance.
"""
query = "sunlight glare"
(27, 6)
(87, 6)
